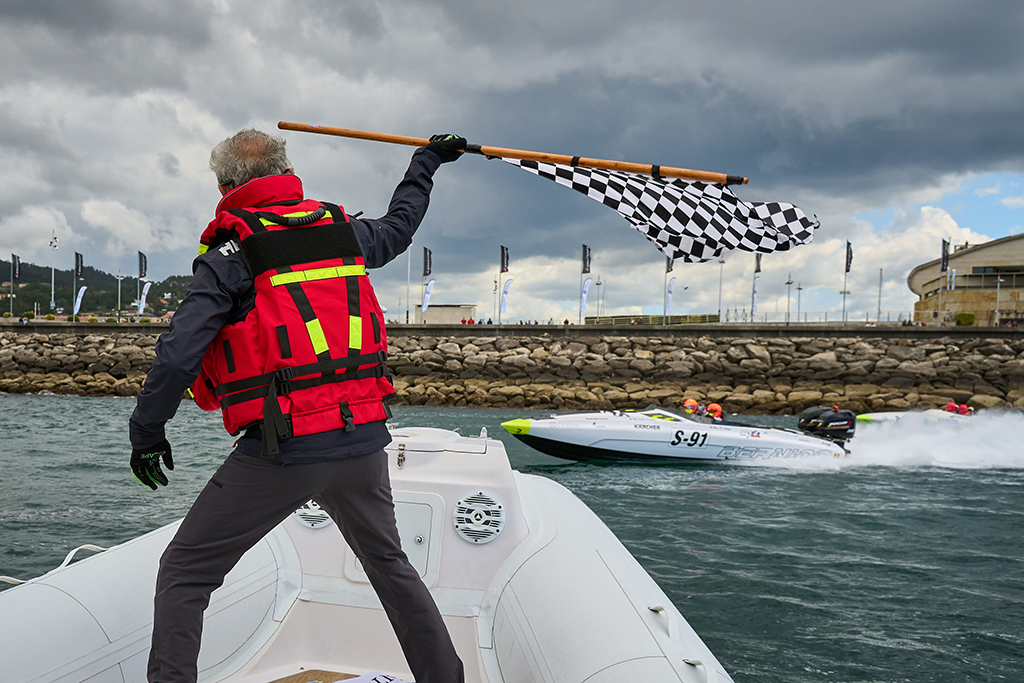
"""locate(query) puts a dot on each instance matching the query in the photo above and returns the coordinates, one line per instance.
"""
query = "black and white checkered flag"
(688, 220)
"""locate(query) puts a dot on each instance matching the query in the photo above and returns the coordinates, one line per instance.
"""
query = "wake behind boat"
(661, 434)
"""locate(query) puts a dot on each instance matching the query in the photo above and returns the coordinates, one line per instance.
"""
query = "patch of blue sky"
(991, 203)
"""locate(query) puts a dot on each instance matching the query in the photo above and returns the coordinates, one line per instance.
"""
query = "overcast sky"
(895, 123)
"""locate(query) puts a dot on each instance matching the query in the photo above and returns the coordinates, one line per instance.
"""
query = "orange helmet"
(689, 406)
(714, 410)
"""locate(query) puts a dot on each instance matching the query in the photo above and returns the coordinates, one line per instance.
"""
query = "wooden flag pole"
(647, 169)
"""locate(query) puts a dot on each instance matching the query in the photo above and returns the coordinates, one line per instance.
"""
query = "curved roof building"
(984, 279)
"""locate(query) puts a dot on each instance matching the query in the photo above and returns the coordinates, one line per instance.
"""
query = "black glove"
(146, 464)
(447, 147)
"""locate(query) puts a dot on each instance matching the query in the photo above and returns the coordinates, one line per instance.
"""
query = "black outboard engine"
(828, 422)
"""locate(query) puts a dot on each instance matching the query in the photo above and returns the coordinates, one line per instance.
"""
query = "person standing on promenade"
(254, 305)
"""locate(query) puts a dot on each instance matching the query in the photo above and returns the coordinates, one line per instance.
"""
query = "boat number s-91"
(691, 440)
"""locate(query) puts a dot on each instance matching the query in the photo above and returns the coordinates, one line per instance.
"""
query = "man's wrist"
(142, 439)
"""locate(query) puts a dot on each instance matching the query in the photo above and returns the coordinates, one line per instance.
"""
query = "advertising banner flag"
(583, 297)
(79, 261)
(426, 261)
(668, 295)
(753, 294)
(945, 256)
(15, 267)
(142, 266)
(145, 291)
(586, 259)
(849, 256)
(504, 259)
(504, 294)
(78, 301)
(426, 296)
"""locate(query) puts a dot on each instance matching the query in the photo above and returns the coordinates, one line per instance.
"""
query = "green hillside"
(33, 288)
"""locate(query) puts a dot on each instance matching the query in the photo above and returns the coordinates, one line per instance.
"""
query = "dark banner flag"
(586, 259)
(757, 264)
(426, 262)
(15, 267)
(945, 257)
(79, 262)
(669, 263)
(504, 259)
(142, 265)
(849, 256)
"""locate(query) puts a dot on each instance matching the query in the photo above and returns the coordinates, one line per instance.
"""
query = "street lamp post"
(721, 265)
(789, 282)
(844, 293)
(999, 281)
(53, 258)
(879, 295)
(799, 289)
(119, 278)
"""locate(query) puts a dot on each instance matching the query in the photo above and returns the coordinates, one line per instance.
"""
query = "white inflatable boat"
(533, 586)
(659, 434)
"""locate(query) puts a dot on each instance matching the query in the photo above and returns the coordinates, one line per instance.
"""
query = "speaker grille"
(479, 518)
(313, 516)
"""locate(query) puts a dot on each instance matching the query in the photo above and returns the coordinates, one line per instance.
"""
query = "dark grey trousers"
(248, 497)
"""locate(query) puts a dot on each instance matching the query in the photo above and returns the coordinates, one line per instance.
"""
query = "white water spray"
(989, 440)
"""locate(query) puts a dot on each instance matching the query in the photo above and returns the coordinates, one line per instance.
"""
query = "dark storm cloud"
(169, 164)
(84, 19)
(109, 46)
(851, 104)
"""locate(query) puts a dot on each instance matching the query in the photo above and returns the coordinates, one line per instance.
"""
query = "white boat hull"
(655, 435)
(552, 596)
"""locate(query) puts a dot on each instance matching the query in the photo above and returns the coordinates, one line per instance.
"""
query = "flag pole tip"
(735, 180)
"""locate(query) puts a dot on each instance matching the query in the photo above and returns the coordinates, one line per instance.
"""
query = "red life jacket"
(310, 356)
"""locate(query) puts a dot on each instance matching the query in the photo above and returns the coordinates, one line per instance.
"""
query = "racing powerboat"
(532, 585)
(660, 434)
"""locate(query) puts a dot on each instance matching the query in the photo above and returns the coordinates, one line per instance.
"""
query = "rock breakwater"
(747, 375)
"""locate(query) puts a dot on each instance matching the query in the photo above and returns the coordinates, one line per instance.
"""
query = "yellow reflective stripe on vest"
(316, 274)
(355, 332)
(316, 335)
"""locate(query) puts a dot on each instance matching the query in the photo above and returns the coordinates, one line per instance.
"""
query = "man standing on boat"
(280, 329)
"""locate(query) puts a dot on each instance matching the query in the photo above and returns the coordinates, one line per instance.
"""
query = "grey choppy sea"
(901, 562)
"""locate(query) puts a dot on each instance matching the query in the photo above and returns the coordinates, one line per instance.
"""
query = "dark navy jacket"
(222, 291)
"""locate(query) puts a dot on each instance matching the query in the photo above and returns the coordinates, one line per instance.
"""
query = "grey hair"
(246, 155)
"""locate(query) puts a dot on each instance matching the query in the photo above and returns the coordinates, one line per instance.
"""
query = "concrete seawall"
(747, 369)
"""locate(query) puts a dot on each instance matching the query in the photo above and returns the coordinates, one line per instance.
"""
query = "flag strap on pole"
(607, 164)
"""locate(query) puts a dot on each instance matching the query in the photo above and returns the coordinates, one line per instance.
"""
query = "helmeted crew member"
(965, 409)
(325, 344)
(714, 411)
(690, 406)
(952, 408)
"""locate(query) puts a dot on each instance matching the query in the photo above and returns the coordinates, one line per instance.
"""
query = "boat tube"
(533, 587)
(662, 435)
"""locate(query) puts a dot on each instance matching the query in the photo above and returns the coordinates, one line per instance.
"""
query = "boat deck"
(315, 676)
